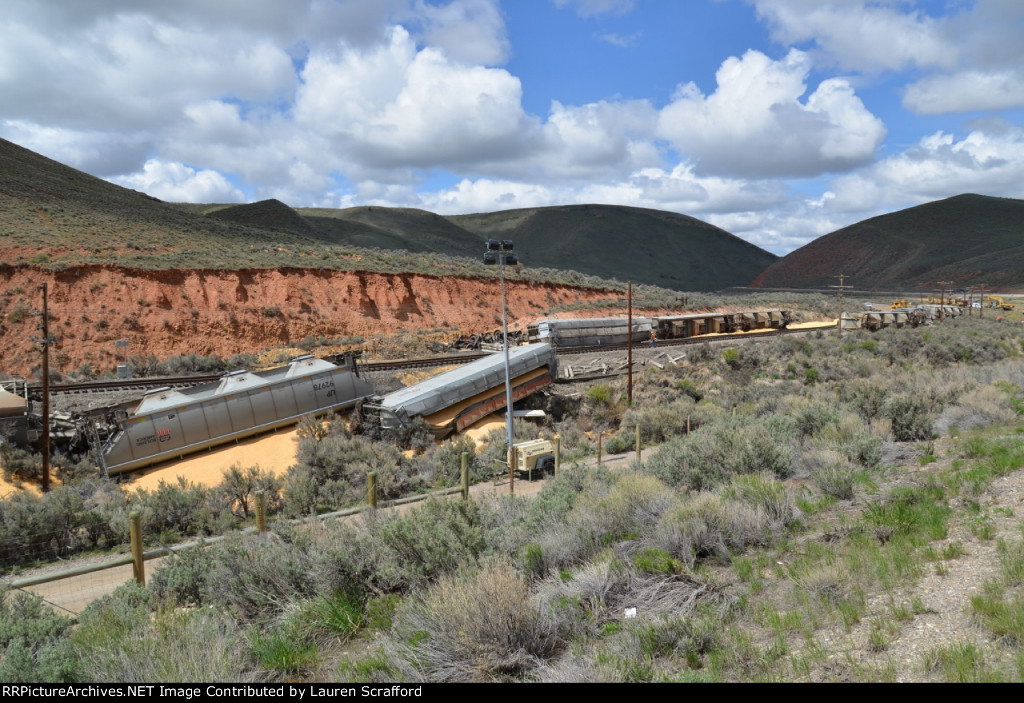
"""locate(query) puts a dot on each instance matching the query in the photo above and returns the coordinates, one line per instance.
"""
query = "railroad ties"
(598, 368)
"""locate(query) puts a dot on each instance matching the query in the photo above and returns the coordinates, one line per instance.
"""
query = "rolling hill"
(626, 243)
(968, 239)
(55, 215)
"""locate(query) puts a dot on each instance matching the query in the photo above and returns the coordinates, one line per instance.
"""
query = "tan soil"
(167, 313)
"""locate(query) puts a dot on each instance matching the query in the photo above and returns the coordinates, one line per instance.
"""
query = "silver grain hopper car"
(168, 424)
(454, 400)
(13, 395)
(589, 332)
(14, 412)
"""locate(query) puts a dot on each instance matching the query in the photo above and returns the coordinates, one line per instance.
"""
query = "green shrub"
(34, 644)
(599, 394)
(657, 561)
(910, 418)
(472, 626)
(176, 509)
(185, 577)
(120, 638)
(708, 526)
(713, 455)
(285, 649)
(436, 538)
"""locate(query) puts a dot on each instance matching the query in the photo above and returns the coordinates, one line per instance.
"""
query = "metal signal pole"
(45, 342)
(500, 252)
(629, 345)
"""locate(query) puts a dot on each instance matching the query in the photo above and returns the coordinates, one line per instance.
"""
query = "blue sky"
(777, 120)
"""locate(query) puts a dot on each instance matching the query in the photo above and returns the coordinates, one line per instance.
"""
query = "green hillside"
(649, 246)
(392, 228)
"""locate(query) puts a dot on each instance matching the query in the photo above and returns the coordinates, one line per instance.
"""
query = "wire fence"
(70, 586)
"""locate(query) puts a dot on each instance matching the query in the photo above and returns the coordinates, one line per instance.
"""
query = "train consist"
(454, 400)
(168, 424)
(581, 332)
(910, 316)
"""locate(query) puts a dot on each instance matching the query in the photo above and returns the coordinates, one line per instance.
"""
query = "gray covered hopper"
(589, 331)
(168, 424)
(455, 399)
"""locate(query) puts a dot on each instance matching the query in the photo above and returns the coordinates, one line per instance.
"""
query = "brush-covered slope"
(646, 246)
(392, 228)
(52, 213)
(967, 239)
(266, 214)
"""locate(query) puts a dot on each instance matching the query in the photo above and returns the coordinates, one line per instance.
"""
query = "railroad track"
(143, 385)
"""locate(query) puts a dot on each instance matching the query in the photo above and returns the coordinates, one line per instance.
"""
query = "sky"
(776, 120)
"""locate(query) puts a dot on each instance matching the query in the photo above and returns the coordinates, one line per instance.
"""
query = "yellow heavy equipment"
(898, 304)
(995, 301)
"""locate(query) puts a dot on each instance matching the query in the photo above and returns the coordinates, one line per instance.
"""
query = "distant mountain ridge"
(968, 240)
(55, 215)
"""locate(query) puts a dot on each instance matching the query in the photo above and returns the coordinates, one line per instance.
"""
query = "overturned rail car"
(699, 323)
(14, 411)
(452, 401)
(588, 332)
(875, 320)
(168, 424)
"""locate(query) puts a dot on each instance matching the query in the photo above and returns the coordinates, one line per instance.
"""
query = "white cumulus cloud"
(178, 183)
(754, 124)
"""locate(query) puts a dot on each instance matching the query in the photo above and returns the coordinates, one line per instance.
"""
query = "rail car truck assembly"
(168, 424)
(454, 400)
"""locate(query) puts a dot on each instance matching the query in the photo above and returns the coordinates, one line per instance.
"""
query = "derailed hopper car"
(589, 331)
(168, 424)
(452, 401)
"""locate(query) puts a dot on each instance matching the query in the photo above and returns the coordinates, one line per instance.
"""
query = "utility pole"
(841, 288)
(942, 299)
(45, 343)
(629, 345)
(981, 310)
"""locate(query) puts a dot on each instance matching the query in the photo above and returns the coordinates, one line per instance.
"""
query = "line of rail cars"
(579, 332)
(168, 424)
(454, 400)
(911, 316)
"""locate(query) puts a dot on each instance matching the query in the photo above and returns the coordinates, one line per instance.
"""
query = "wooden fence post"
(558, 454)
(371, 489)
(638, 443)
(135, 533)
(261, 511)
(465, 475)
(599, 435)
(512, 469)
